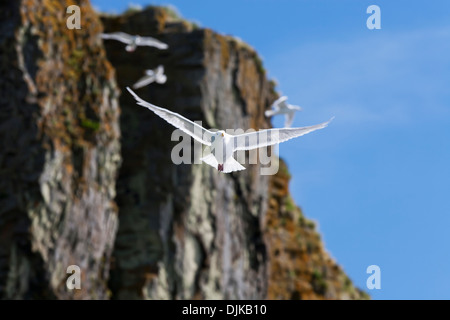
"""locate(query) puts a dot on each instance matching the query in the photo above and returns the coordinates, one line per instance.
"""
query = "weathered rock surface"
(188, 231)
(59, 152)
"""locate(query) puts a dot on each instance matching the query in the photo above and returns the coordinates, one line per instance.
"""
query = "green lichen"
(259, 64)
(273, 85)
(310, 224)
(290, 205)
(90, 124)
(319, 283)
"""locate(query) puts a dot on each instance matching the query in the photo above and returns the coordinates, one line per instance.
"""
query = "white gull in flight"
(157, 75)
(133, 41)
(281, 107)
(223, 145)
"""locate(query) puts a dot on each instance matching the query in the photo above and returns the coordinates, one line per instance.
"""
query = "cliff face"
(188, 231)
(178, 231)
(59, 152)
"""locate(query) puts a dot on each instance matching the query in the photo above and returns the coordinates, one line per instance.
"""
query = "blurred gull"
(133, 42)
(157, 75)
(223, 145)
(281, 107)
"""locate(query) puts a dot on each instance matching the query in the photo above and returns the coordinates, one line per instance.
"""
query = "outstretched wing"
(272, 112)
(280, 103)
(120, 36)
(277, 107)
(187, 126)
(289, 119)
(159, 69)
(144, 81)
(160, 77)
(152, 42)
(264, 138)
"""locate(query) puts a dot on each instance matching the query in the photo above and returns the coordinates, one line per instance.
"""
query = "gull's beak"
(222, 134)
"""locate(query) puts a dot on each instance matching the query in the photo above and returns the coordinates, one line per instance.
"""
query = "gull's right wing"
(193, 129)
(280, 103)
(152, 42)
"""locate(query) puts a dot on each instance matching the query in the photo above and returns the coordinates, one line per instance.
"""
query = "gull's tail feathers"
(232, 165)
(289, 118)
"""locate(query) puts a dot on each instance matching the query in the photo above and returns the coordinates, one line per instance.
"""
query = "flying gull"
(133, 42)
(281, 107)
(223, 145)
(157, 75)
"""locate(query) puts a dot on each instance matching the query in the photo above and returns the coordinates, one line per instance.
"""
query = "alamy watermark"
(73, 281)
(374, 21)
(374, 280)
(74, 20)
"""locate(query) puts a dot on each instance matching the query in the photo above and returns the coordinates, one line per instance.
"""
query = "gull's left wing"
(193, 129)
(120, 36)
(264, 138)
(152, 42)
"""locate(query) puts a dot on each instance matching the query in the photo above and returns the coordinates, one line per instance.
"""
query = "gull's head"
(219, 135)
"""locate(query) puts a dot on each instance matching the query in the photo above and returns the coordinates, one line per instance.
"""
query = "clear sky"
(377, 179)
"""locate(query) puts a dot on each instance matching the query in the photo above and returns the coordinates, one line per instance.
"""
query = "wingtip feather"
(331, 119)
(132, 93)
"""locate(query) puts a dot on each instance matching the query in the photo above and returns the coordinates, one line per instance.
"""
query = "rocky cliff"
(59, 152)
(151, 229)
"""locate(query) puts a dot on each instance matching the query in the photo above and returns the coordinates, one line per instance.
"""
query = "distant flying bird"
(223, 145)
(133, 42)
(281, 107)
(157, 75)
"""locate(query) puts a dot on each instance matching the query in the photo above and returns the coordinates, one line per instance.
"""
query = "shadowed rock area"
(59, 152)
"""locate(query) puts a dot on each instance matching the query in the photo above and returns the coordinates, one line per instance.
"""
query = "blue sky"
(377, 180)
